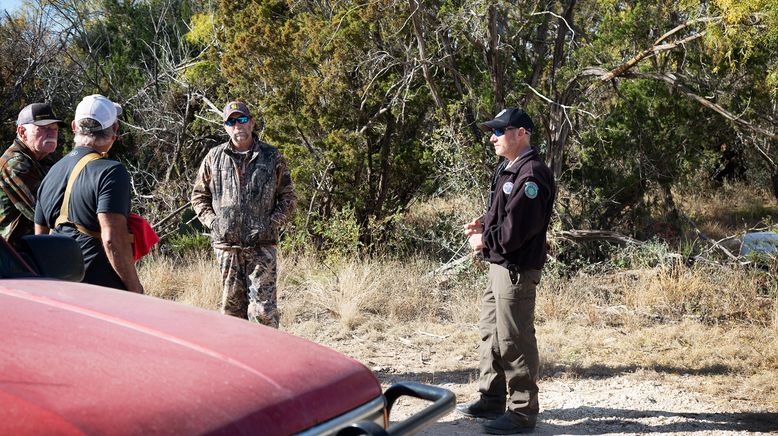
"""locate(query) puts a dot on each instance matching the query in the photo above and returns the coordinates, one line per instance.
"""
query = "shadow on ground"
(461, 376)
(626, 420)
(388, 375)
(598, 420)
(599, 371)
(606, 420)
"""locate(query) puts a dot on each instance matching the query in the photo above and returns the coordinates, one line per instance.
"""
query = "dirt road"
(618, 405)
(575, 401)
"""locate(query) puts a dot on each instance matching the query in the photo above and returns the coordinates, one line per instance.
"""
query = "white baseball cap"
(100, 109)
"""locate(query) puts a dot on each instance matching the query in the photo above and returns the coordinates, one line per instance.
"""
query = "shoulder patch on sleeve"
(531, 189)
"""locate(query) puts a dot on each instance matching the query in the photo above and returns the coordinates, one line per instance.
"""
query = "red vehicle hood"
(84, 359)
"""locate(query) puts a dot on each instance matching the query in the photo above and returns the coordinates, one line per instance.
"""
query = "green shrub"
(337, 237)
(188, 244)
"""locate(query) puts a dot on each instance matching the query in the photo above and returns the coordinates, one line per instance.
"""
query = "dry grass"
(710, 294)
(353, 291)
(729, 210)
(195, 281)
(716, 324)
(733, 361)
(695, 317)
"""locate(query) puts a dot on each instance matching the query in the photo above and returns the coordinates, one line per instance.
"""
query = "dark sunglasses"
(243, 119)
(500, 132)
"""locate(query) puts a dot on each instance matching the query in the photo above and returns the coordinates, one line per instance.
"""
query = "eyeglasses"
(500, 132)
(243, 119)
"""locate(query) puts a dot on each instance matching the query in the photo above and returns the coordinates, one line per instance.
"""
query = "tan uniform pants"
(509, 351)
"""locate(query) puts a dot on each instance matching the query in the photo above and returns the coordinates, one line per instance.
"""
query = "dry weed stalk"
(346, 292)
(389, 290)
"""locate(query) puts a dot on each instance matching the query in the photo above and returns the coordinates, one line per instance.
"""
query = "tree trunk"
(540, 58)
(672, 210)
(775, 183)
(559, 124)
(493, 60)
(415, 10)
(559, 130)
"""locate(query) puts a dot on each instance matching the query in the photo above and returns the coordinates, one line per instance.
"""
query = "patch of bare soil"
(615, 405)
(575, 403)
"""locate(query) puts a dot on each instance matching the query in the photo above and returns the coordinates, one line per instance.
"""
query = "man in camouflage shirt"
(243, 193)
(22, 168)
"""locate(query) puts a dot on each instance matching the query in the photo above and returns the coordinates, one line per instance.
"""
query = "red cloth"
(144, 236)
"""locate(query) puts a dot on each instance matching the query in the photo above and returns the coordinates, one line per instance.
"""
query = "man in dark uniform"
(511, 235)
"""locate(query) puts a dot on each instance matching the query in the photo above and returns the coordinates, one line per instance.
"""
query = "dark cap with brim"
(39, 114)
(510, 117)
(235, 107)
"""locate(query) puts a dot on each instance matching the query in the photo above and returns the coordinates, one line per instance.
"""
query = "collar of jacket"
(23, 148)
(252, 150)
(529, 154)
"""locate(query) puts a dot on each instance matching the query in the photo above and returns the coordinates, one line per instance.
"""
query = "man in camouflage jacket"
(243, 193)
(22, 168)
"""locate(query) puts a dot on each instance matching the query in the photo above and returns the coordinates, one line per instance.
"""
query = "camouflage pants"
(249, 283)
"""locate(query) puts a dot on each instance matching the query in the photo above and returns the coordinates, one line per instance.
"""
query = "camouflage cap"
(235, 107)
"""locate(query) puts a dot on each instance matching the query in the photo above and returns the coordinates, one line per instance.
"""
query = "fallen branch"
(172, 214)
(452, 264)
(707, 239)
(430, 334)
(596, 235)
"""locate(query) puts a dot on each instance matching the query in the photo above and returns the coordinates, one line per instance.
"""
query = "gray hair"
(90, 131)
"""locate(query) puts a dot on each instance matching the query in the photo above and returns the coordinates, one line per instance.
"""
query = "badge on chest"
(530, 189)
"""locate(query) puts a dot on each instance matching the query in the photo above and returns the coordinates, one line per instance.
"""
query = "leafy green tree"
(377, 102)
(340, 95)
(28, 50)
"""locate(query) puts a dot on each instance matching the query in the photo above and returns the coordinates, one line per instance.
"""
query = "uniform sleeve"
(201, 198)
(286, 199)
(19, 182)
(524, 218)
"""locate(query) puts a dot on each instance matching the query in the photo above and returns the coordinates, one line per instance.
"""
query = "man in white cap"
(243, 193)
(22, 167)
(93, 207)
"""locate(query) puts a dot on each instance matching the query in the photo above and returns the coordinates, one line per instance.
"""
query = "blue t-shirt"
(103, 186)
